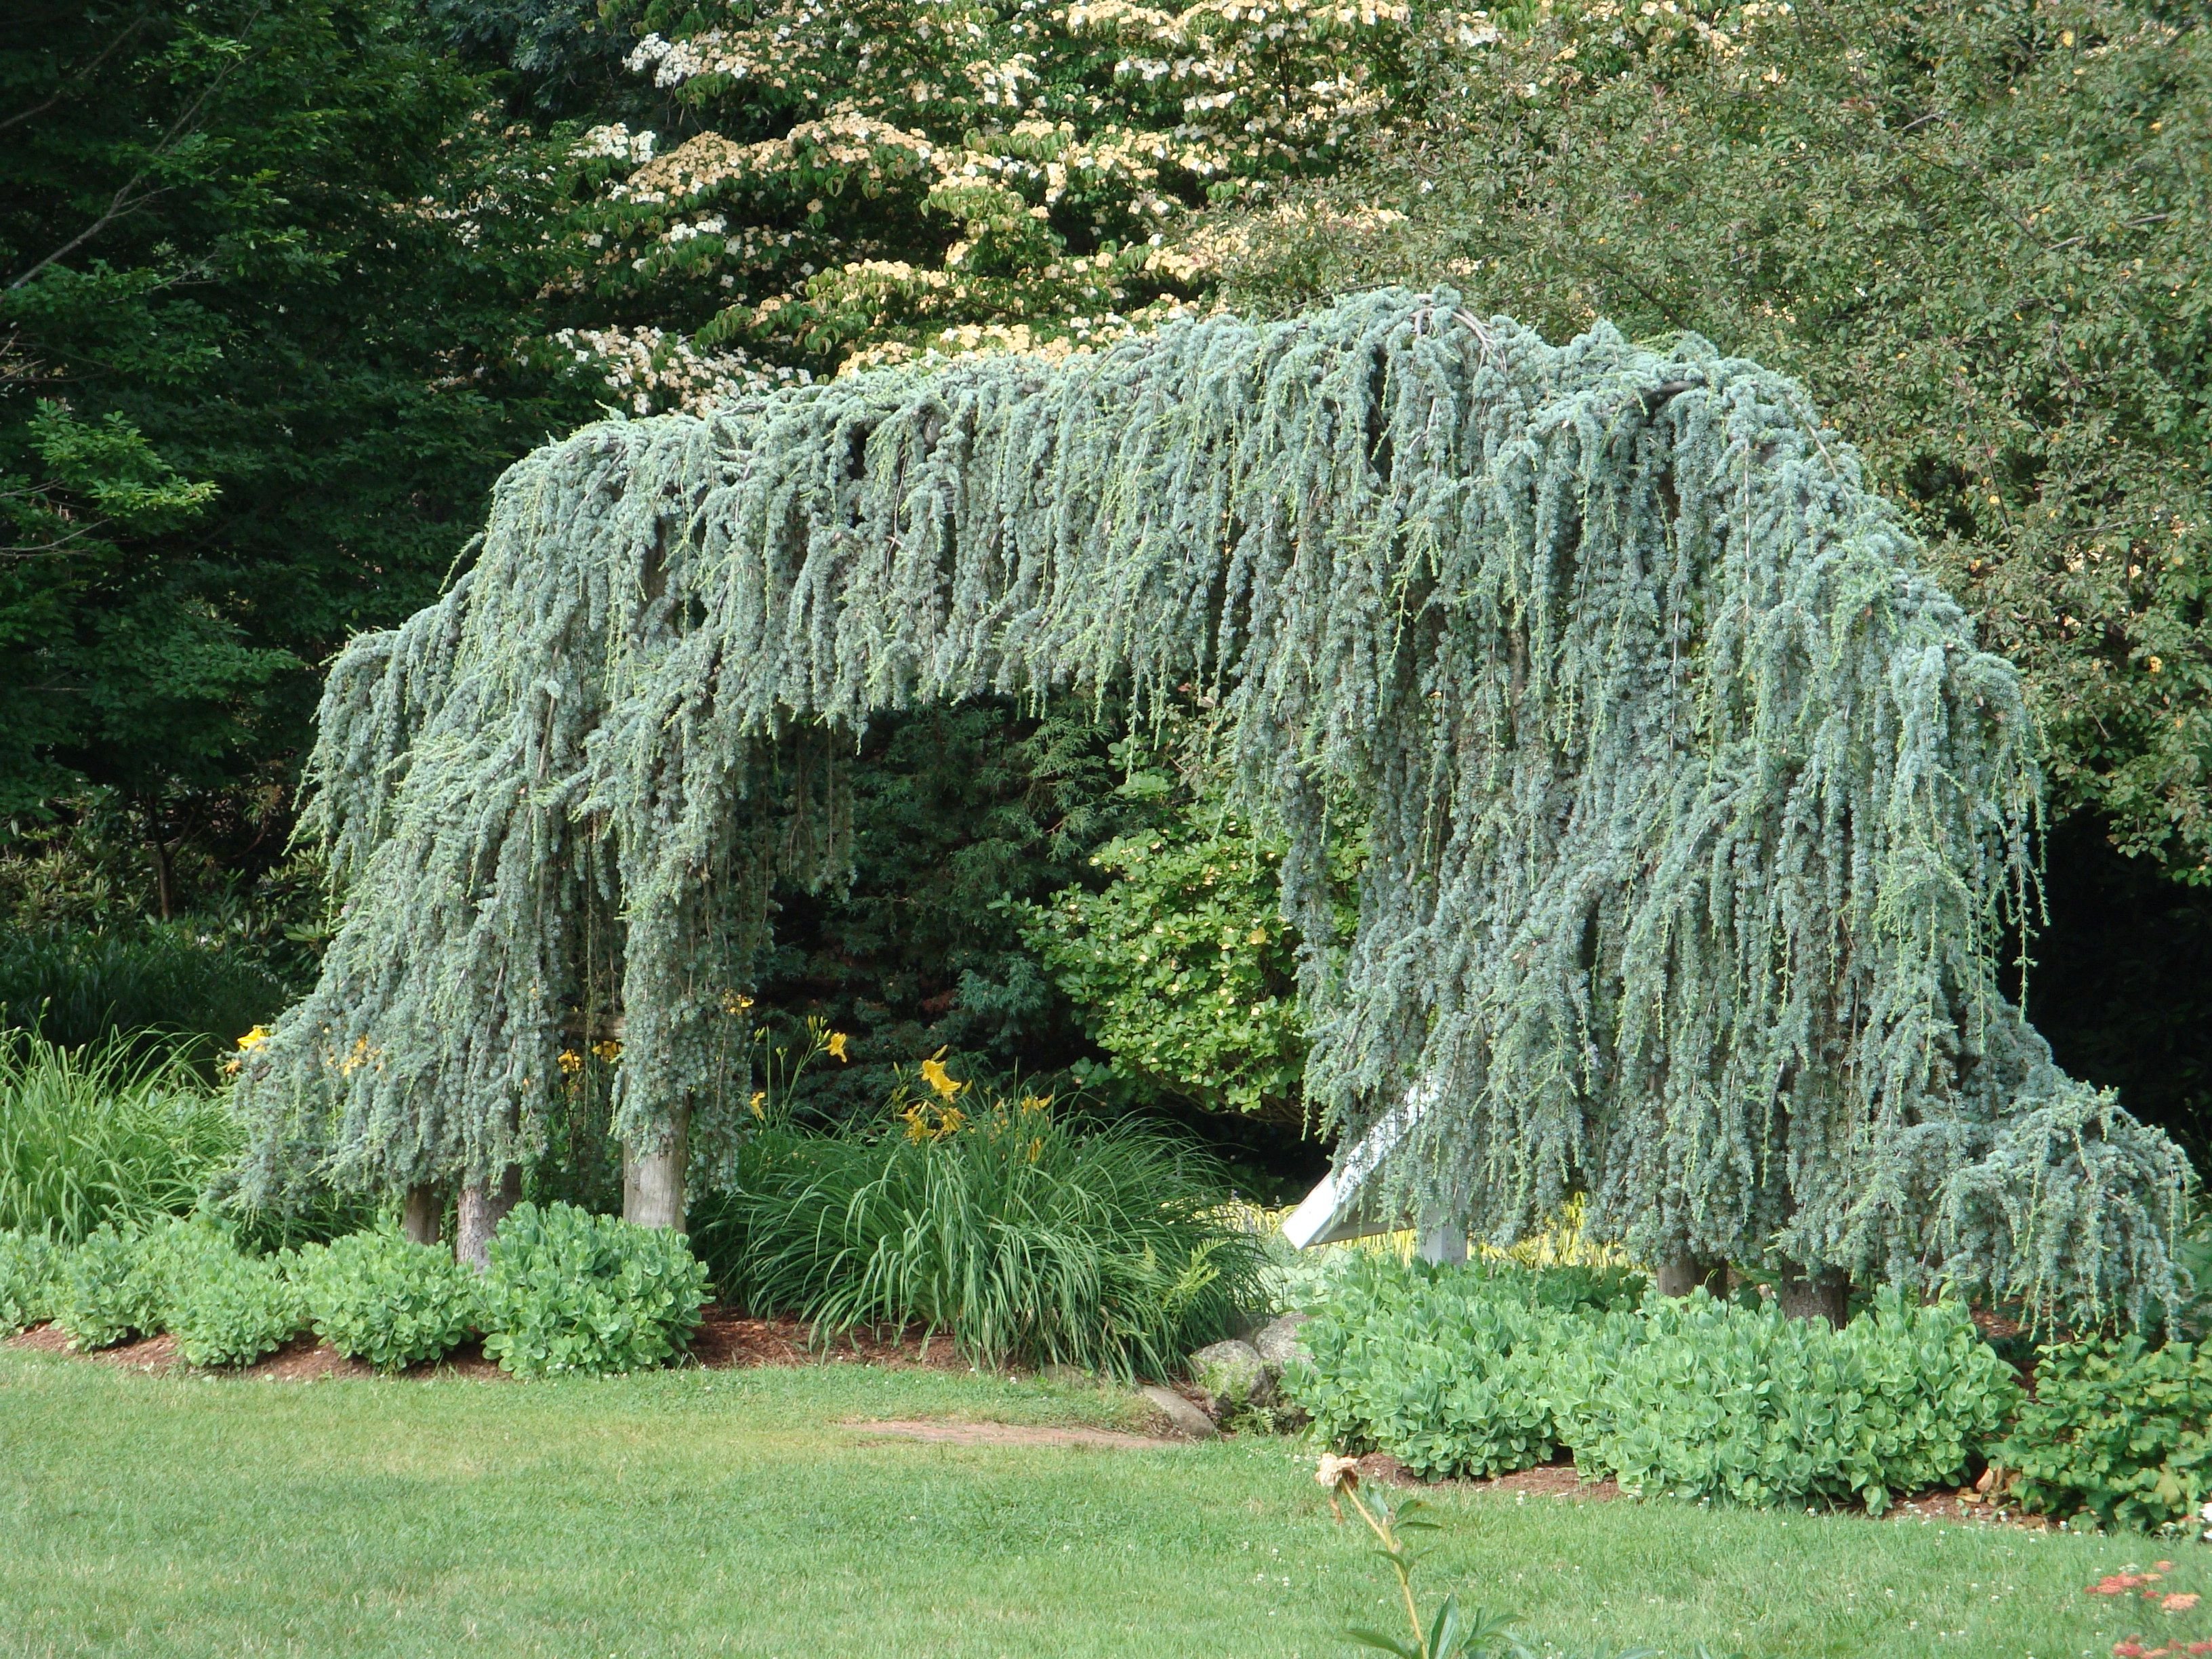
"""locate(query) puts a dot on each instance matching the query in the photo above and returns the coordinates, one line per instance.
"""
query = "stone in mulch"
(1010, 1434)
(1232, 1376)
(1277, 1341)
(1185, 1415)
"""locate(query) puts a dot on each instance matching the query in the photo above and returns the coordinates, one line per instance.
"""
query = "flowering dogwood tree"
(893, 177)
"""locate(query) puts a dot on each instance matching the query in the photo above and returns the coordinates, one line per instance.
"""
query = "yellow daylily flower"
(934, 1074)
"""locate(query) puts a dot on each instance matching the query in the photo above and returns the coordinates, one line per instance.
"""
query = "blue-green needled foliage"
(1695, 819)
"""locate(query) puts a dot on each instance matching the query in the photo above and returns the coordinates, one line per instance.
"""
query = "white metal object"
(1339, 1208)
(1445, 1242)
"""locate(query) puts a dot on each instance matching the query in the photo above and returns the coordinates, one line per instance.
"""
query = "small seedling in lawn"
(1450, 1634)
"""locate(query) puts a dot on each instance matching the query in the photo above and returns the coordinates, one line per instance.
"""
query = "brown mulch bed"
(726, 1340)
(1966, 1504)
(1560, 1479)
(154, 1353)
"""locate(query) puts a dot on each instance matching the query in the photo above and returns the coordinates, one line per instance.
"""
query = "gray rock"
(1277, 1342)
(1188, 1421)
(1233, 1373)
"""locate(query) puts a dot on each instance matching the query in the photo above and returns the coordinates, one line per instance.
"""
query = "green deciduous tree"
(890, 176)
(1180, 967)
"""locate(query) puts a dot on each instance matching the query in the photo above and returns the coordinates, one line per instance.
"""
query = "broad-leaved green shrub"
(375, 1296)
(129, 1281)
(569, 1292)
(2118, 1430)
(99, 1295)
(1480, 1371)
(28, 1264)
(1698, 1398)
(1180, 967)
(232, 1308)
(1448, 1371)
(171, 1258)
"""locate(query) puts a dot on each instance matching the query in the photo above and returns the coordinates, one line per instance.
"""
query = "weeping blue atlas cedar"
(1696, 822)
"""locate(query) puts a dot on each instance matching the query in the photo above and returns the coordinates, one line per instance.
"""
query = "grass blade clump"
(102, 1134)
(568, 1292)
(1026, 1238)
(377, 1297)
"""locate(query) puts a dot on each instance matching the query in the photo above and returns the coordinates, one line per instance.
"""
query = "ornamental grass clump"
(379, 1298)
(103, 1134)
(1025, 1237)
(568, 1292)
(148, 990)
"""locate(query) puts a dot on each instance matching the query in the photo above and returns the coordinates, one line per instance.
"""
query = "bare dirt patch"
(1009, 1434)
(1553, 1480)
(304, 1359)
(1562, 1479)
(1965, 1505)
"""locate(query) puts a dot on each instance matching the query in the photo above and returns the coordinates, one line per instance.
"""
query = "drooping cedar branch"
(1694, 818)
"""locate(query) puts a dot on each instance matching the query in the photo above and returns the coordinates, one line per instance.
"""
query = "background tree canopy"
(257, 337)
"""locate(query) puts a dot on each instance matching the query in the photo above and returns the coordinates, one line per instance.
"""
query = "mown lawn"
(729, 1512)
